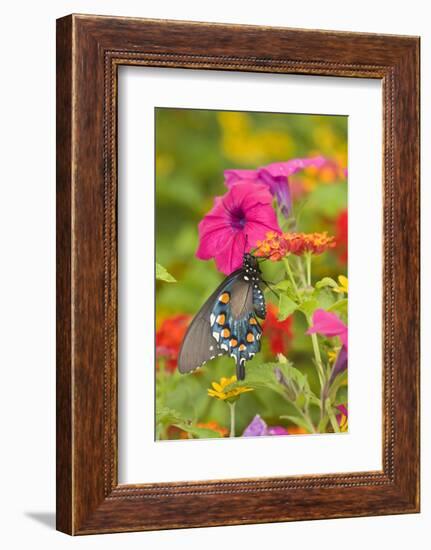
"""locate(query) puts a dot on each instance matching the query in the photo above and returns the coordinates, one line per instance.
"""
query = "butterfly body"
(228, 322)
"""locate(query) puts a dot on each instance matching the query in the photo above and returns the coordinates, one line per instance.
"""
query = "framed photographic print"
(237, 274)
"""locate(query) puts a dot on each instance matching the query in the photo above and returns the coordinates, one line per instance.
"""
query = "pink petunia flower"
(276, 177)
(237, 221)
(329, 324)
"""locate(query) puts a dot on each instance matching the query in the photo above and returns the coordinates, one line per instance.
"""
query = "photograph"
(251, 247)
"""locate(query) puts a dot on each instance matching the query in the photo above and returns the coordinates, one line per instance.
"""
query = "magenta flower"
(258, 427)
(329, 325)
(237, 221)
(276, 177)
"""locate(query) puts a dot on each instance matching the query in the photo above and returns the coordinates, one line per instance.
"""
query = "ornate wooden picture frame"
(89, 51)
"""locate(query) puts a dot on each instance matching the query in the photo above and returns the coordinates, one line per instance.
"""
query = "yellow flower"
(218, 389)
(344, 426)
(332, 354)
(245, 143)
(343, 286)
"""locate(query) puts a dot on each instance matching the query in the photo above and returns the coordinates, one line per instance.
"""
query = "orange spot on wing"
(221, 319)
(253, 321)
(250, 337)
(242, 347)
(225, 333)
(233, 343)
(224, 298)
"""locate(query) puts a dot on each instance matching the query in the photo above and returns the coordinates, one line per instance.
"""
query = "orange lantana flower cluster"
(278, 245)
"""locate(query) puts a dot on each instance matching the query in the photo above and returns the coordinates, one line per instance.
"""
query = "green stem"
(332, 418)
(300, 269)
(307, 417)
(291, 277)
(232, 418)
(308, 264)
(318, 359)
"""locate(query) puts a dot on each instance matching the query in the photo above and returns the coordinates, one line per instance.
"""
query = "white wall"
(27, 218)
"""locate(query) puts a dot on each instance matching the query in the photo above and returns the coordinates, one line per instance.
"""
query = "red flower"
(341, 225)
(169, 338)
(277, 332)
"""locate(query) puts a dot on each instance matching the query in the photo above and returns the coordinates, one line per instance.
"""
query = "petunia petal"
(328, 324)
(245, 194)
(212, 236)
(292, 166)
(232, 176)
(277, 430)
(230, 256)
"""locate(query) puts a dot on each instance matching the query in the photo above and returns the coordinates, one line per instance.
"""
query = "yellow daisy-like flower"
(343, 286)
(218, 389)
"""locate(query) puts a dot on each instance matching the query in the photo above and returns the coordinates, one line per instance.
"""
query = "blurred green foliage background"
(193, 148)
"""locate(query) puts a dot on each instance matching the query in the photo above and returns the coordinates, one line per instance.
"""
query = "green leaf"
(325, 282)
(294, 382)
(309, 306)
(324, 297)
(286, 307)
(301, 400)
(341, 398)
(164, 415)
(322, 427)
(284, 285)
(339, 307)
(170, 417)
(290, 373)
(340, 380)
(287, 287)
(163, 275)
(260, 376)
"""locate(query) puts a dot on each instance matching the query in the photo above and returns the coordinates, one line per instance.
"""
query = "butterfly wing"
(226, 324)
(234, 323)
(199, 345)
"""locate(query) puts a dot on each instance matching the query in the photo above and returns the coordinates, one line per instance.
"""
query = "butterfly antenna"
(245, 244)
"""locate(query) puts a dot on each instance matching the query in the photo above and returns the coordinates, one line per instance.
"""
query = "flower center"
(238, 219)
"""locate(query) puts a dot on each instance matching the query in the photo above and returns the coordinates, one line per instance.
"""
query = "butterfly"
(228, 322)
